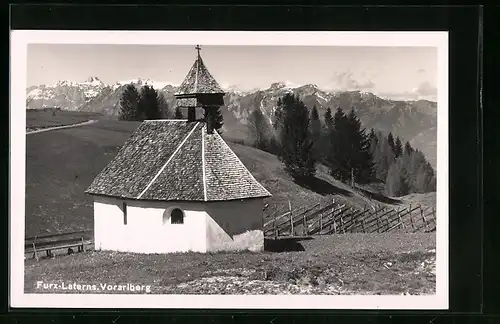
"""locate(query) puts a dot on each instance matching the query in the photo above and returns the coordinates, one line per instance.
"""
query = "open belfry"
(200, 90)
(176, 186)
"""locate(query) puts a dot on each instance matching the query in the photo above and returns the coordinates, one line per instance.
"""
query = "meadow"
(61, 164)
(384, 264)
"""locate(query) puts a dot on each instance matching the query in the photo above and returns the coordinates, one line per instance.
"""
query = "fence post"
(34, 249)
(342, 222)
(388, 223)
(275, 230)
(320, 222)
(423, 218)
(291, 217)
(304, 222)
(399, 218)
(411, 220)
(83, 245)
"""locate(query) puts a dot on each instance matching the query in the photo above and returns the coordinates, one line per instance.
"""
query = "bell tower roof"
(198, 80)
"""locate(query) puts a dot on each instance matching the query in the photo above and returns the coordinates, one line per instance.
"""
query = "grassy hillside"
(40, 118)
(394, 263)
(61, 164)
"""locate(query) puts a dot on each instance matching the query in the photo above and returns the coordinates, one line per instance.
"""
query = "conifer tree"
(398, 147)
(383, 157)
(327, 132)
(148, 106)
(328, 118)
(178, 113)
(128, 103)
(315, 126)
(396, 182)
(277, 123)
(297, 147)
(360, 158)
(408, 149)
(277, 119)
(373, 143)
(162, 106)
(390, 139)
(338, 154)
(214, 116)
(372, 134)
(259, 129)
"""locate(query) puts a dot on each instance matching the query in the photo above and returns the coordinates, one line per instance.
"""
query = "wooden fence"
(336, 218)
(51, 242)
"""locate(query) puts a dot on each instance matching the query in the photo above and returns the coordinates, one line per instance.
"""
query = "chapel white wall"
(235, 225)
(145, 231)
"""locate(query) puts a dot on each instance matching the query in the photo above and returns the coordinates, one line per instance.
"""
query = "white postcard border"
(18, 80)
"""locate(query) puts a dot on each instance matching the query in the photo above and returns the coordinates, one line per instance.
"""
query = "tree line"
(146, 103)
(149, 103)
(301, 140)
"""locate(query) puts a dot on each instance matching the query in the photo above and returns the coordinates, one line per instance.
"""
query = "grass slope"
(40, 118)
(393, 263)
(61, 164)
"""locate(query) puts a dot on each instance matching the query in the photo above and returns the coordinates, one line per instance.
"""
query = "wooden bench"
(51, 242)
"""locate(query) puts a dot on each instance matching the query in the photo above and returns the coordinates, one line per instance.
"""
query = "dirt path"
(88, 122)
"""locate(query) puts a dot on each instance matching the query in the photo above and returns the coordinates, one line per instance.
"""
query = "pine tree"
(373, 142)
(360, 160)
(328, 118)
(372, 134)
(259, 129)
(398, 147)
(128, 103)
(408, 149)
(214, 116)
(383, 157)
(162, 106)
(277, 116)
(178, 113)
(327, 132)
(339, 143)
(316, 132)
(396, 183)
(277, 123)
(390, 139)
(148, 106)
(297, 146)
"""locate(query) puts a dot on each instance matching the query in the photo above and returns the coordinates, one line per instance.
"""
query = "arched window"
(176, 216)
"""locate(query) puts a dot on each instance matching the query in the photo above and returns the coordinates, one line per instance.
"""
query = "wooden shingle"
(199, 80)
(163, 160)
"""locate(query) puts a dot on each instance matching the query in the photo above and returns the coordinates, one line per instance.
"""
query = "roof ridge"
(203, 129)
(156, 120)
(239, 161)
(196, 73)
(169, 159)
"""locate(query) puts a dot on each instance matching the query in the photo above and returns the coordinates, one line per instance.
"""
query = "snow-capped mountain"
(413, 121)
(64, 94)
(142, 82)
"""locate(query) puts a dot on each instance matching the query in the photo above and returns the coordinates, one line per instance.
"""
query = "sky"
(407, 73)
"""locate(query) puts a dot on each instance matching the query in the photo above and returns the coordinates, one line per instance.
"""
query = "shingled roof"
(199, 80)
(176, 160)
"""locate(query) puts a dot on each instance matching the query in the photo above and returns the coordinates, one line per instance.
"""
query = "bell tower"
(200, 90)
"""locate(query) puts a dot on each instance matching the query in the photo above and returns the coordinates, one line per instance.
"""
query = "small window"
(176, 216)
(124, 208)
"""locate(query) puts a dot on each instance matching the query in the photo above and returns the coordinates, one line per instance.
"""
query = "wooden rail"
(334, 218)
(51, 242)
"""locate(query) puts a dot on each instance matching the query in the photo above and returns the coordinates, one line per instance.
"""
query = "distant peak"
(93, 79)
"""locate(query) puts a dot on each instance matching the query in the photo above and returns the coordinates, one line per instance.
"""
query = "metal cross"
(198, 48)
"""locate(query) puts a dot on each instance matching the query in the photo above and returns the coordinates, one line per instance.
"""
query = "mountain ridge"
(412, 120)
